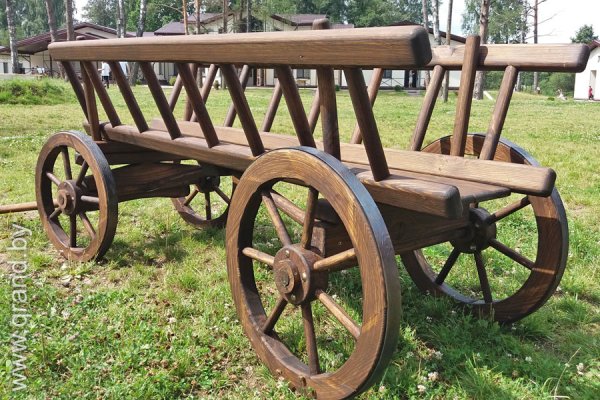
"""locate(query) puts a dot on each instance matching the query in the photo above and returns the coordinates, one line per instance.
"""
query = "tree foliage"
(585, 34)
(30, 17)
(505, 20)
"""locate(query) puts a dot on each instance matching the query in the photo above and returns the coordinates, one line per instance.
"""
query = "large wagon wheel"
(509, 280)
(291, 302)
(77, 204)
(207, 204)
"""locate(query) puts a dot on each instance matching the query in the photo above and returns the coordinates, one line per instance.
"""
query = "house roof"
(453, 37)
(172, 28)
(38, 43)
(298, 19)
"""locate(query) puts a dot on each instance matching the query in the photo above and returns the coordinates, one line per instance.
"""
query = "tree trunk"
(69, 18)
(198, 9)
(448, 42)
(426, 26)
(248, 16)
(225, 9)
(483, 33)
(185, 16)
(12, 37)
(536, 74)
(435, 5)
(121, 18)
(53, 32)
(523, 38)
(139, 33)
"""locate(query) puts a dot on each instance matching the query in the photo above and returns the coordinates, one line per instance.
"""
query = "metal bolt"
(304, 277)
(293, 297)
(287, 253)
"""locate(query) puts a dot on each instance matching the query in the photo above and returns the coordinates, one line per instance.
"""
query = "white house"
(591, 75)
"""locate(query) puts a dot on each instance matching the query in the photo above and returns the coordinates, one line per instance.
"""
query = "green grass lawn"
(156, 320)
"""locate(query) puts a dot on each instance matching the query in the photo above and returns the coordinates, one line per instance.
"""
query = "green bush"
(337, 88)
(172, 80)
(398, 88)
(35, 92)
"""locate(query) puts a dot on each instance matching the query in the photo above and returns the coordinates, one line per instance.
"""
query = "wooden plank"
(128, 96)
(465, 97)
(366, 122)
(372, 90)
(111, 113)
(385, 47)
(329, 117)
(272, 109)
(75, 84)
(90, 102)
(294, 105)
(243, 109)
(499, 116)
(188, 109)
(231, 113)
(427, 108)
(160, 99)
(524, 57)
(195, 100)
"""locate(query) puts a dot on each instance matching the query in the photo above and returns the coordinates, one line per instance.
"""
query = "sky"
(563, 17)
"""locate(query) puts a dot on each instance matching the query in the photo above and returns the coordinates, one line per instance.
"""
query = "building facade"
(591, 76)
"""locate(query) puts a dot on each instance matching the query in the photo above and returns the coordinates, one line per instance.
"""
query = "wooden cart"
(338, 212)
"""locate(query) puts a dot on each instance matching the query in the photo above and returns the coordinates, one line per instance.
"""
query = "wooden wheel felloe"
(287, 295)
(77, 203)
(208, 202)
(509, 281)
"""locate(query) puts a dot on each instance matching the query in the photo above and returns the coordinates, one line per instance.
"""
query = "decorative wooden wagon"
(360, 204)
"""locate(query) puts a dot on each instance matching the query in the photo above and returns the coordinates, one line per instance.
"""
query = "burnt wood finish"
(366, 123)
(373, 89)
(91, 106)
(231, 113)
(243, 109)
(465, 96)
(545, 269)
(272, 109)
(207, 86)
(160, 99)
(62, 198)
(197, 104)
(363, 47)
(329, 117)
(175, 93)
(188, 108)
(92, 74)
(295, 107)
(431, 96)
(128, 96)
(377, 331)
(76, 85)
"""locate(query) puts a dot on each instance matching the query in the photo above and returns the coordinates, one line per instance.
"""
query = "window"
(5, 67)
(303, 74)
(387, 74)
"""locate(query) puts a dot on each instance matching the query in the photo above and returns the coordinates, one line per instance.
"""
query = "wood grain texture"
(426, 111)
(375, 47)
(231, 113)
(160, 99)
(465, 96)
(129, 97)
(372, 90)
(76, 85)
(272, 108)
(175, 93)
(207, 86)
(329, 116)
(188, 108)
(525, 57)
(90, 103)
(107, 104)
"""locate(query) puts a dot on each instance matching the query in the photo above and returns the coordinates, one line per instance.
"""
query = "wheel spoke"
(336, 262)
(90, 199)
(309, 217)
(512, 254)
(82, 172)
(339, 313)
(55, 213)
(508, 210)
(222, 195)
(73, 230)
(259, 256)
(282, 232)
(447, 266)
(66, 162)
(483, 278)
(207, 206)
(87, 224)
(189, 199)
(288, 208)
(311, 339)
(274, 316)
(53, 178)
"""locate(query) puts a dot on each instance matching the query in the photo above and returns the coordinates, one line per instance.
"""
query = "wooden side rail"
(363, 47)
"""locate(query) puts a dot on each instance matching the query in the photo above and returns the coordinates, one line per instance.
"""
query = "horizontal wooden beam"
(382, 46)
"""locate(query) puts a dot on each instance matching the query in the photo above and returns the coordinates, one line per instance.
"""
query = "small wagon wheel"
(509, 281)
(76, 196)
(287, 299)
(208, 202)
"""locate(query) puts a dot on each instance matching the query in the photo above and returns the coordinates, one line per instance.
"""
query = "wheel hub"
(68, 197)
(209, 183)
(293, 274)
(479, 233)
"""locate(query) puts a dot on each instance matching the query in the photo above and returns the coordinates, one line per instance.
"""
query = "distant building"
(589, 77)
